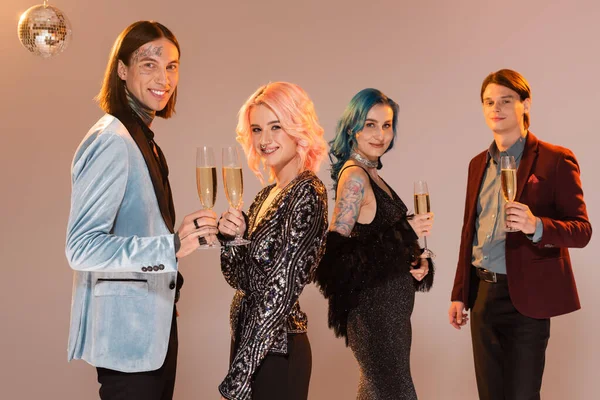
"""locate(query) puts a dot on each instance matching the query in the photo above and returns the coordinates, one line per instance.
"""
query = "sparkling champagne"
(234, 185)
(509, 184)
(206, 181)
(422, 203)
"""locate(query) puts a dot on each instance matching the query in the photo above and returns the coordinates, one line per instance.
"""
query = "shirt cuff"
(176, 242)
(225, 395)
(223, 239)
(539, 230)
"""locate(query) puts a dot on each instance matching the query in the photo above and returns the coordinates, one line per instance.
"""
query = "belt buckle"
(487, 273)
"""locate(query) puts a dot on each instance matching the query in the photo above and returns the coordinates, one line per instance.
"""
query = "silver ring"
(263, 146)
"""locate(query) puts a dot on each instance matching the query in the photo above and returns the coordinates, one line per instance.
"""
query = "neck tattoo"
(146, 114)
(364, 161)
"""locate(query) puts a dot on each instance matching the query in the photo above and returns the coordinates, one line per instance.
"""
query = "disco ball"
(44, 30)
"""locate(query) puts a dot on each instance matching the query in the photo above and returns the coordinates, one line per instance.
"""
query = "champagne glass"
(422, 206)
(508, 169)
(206, 181)
(233, 181)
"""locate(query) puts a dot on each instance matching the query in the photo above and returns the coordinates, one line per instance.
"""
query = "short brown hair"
(512, 80)
(112, 98)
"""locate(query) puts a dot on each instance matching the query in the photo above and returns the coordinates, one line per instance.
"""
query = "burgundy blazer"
(540, 277)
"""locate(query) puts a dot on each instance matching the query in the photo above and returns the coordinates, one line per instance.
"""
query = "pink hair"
(296, 113)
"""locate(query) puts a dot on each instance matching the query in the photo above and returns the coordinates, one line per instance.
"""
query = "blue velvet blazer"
(120, 246)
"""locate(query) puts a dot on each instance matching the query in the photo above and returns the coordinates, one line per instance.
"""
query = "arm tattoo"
(347, 206)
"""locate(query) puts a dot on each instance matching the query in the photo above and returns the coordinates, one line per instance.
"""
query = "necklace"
(364, 161)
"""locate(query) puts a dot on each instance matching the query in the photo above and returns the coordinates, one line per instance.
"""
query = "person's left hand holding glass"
(232, 223)
(196, 229)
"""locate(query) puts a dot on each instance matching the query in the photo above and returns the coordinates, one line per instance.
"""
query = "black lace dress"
(371, 295)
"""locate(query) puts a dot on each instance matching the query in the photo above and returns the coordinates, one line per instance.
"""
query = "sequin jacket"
(270, 273)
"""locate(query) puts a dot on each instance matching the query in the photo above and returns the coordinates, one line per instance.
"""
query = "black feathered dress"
(371, 293)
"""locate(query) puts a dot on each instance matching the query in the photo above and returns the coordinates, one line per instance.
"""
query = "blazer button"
(172, 285)
(161, 267)
(155, 268)
(144, 269)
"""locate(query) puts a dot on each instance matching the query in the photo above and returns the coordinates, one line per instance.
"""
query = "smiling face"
(503, 109)
(153, 73)
(374, 139)
(275, 147)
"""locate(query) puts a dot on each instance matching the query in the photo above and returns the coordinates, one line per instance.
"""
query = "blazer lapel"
(529, 156)
(475, 178)
(136, 132)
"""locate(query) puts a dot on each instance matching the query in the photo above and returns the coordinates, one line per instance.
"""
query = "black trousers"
(509, 348)
(150, 385)
(281, 376)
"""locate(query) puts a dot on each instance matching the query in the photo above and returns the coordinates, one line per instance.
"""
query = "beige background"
(428, 55)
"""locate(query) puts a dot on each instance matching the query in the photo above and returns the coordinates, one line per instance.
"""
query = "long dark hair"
(112, 98)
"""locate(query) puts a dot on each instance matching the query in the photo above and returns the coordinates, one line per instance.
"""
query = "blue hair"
(353, 121)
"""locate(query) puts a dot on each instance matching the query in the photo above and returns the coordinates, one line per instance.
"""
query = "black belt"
(489, 276)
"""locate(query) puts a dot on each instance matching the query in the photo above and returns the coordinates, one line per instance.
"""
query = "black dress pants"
(509, 348)
(150, 385)
(282, 376)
